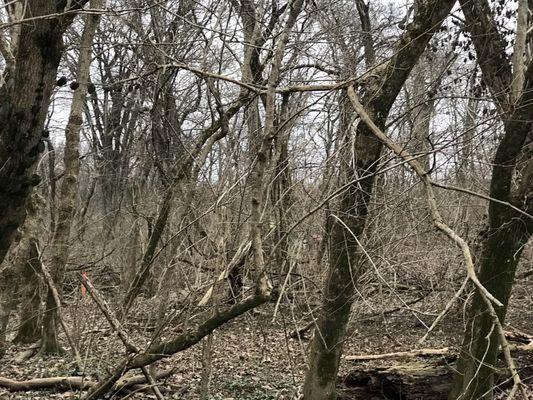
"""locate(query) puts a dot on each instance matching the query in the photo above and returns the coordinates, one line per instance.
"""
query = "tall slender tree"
(349, 218)
(69, 186)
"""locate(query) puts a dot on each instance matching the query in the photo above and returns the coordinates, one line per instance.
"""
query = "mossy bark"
(508, 229)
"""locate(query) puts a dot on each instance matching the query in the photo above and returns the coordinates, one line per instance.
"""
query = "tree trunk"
(465, 164)
(142, 274)
(29, 330)
(20, 280)
(504, 240)
(350, 219)
(24, 100)
(500, 256)
(7, 284)
(508, 230)
(281, 192)
(69, 186)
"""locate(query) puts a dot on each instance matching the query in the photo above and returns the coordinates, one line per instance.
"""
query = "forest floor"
(254, 358)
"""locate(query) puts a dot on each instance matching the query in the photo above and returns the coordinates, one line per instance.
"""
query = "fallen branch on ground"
(411, 380)
(401, 354)
(300, 332)
(115, 324)
(64, 383)
(430, 378)
(525, 346)
(179, 343)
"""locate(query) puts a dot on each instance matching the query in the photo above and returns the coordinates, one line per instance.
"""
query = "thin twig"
(445, 311)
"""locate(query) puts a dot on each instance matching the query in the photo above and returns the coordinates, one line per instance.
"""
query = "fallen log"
(300, 332)
(409, 381)
(401, 354)
(445, 351)
(59, 383)
(516, 335)
(422, 374)
(66, 383)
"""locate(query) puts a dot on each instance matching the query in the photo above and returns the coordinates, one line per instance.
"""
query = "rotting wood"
(371, 377)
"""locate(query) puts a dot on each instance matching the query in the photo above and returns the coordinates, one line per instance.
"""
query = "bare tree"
(358, 172)
(25, 100)
(69, 185)
(216, 158)
(508, 230)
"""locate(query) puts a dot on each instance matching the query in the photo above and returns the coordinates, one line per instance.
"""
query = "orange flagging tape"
(83, 289)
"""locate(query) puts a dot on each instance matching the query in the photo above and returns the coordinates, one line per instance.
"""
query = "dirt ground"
(253, 356)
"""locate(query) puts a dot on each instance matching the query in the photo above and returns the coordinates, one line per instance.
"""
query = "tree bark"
(24, 100)
(29, 330)
(20, 280)
(350, 220)
(508, 230)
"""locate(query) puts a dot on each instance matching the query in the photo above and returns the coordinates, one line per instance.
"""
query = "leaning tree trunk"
(350, 219)
(69, 185)
(24, 101)
(504, 240)
(508, 228)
